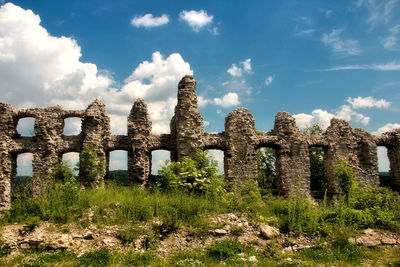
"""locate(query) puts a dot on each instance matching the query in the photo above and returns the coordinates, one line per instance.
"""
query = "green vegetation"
(186, 196)
(90, 166)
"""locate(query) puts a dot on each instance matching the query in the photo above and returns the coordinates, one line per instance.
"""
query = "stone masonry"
(239, 141)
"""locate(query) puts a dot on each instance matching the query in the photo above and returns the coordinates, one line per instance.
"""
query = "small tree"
(346, 178)
(266, 170)
(317, 168)
(91, 166)
(197, 174)
(63, 171)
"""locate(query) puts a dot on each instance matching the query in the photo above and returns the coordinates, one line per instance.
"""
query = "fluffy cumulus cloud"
(387, 127)
(228, 100)
(345, 112)
(237, 71)
(148, 21)
(339, 45)
(197, 19)
(38, 69)
(322, 117)
(367, 102)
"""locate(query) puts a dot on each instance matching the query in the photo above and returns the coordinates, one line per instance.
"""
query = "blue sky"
(314, 59)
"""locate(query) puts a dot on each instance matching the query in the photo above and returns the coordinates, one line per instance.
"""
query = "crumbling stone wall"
(292, 159)
(357, 147)
(240, 162)
(239, 142)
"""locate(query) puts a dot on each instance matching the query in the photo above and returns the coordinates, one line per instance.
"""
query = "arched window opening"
(72, 126)
(158, 159)
(117, 167)
(266, 163)
(318, 182)
(26, 126)
(71, 159)
(24, 170)
(218, 156)
(383, 166)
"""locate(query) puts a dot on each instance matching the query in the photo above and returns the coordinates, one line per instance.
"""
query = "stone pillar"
(49, 126)
(7, 130)
(187, 124)
(392, 143)
(292, 158)
(96, 131)
(240, 156)
(356, 147)
(139, 131)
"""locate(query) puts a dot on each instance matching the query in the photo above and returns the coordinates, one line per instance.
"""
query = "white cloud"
(345, 47)
(387, 127)
(391, 66)
(148, 21)
(196, 19)
(235, 71)
(346, 113)
(269, 80)
(202, 102)
(244, 66)
(322, 117)
(380, 11)
(367, 102)
(391, 42)
(228, 100)
(51, 68)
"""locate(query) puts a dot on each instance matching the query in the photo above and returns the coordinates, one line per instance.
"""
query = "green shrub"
(197, 174)
(138, 259)
(100, 257)
(266, 171)
(63, 171)
(224, 249)
(91, 166)
(338, 251)
(346, 178)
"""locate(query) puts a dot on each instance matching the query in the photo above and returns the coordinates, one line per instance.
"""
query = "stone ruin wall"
(239, 141)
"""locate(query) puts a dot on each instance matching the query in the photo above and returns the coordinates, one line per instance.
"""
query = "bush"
(224, 249)
(266, 171)
(197, 174)
(91, 167)
(346, 178)
(63, 171)
(99, 258)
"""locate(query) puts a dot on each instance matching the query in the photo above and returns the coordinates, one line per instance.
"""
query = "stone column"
(240, 160)
(356, 147)
(7, 130)
(292, 158)
(49, 126)
(139, 131)
(392, 143)
(187, 124)
(96, 131)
